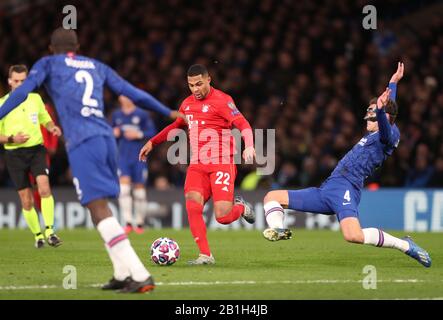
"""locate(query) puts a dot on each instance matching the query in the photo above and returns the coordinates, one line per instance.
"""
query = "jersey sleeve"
(36, 77)
(43, 114)
(141, 98)
(385, 129)
(229, 110)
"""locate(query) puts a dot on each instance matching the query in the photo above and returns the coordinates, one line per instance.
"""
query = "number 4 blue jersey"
(75, 84)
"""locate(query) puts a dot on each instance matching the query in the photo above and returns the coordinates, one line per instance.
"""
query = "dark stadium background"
(305, 68)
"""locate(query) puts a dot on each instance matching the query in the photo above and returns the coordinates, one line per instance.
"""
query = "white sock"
(120, 248)
(125, 202)
(274, 214)
(121, 272)
(379, 238)
(140, 206)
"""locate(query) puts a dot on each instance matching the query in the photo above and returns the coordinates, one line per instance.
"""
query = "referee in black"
(24, 154)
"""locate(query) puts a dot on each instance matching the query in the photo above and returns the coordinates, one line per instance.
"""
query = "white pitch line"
(239, 282)
(28, 287)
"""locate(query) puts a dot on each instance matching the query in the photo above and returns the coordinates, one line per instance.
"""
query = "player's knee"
(125, 190)
(275, 195)
(27, 203)
(194, 196)
(354, 237)
(44, 191)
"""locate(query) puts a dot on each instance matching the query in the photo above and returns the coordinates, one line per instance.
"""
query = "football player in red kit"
(210, 114)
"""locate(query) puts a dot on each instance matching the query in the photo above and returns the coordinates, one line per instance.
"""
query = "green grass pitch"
(312, 265)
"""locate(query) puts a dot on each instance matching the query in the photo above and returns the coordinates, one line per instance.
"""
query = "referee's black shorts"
(22, 161)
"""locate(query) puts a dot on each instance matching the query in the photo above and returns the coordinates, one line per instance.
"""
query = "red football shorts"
(216, 180)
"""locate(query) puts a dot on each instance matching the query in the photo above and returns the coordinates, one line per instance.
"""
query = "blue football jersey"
(75, 84)
(369, 153)
(138, 120)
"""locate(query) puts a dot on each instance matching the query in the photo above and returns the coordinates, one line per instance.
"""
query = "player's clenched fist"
(145, 151)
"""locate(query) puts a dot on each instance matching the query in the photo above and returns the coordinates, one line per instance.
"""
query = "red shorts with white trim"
(216, 180)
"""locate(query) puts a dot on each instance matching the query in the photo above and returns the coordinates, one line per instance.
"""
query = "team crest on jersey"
(363, 141)
(135, 120)
(34, 118)
(205, 108)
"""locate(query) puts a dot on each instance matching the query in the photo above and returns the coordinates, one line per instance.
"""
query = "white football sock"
(120, 248)
(140, 206)
(379, 238)
(274, 214)
(125, 202)
(121, 272)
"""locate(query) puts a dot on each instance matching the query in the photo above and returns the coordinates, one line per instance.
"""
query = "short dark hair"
(64, 40)
(391, 108)
(197, 69)
(18, 68)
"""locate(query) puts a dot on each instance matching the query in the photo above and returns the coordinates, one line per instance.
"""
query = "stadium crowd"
(307, 69)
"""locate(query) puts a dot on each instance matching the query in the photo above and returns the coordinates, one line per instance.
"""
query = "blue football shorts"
(94, 169)
(136, 170)
(335, 196)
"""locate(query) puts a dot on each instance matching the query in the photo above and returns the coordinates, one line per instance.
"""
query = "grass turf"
(312, 265)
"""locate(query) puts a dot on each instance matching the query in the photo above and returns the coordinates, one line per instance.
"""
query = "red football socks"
(198, 226)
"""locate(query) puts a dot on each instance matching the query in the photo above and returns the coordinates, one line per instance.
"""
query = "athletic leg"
(125, 202)
(94, 167)
(226, 209)
(197, 192)
(47, 209)
(139, 176)
(352, 232)
(140, 205)
(306, 200)
(31, 216)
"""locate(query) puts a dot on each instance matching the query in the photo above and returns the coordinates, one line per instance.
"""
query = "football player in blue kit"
(75, 84)
(132, 126)
(340, 193)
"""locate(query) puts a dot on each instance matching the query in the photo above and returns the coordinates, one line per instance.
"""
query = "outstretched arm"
(141, 98)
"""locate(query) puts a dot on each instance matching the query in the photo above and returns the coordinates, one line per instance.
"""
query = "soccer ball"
(165, 251)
